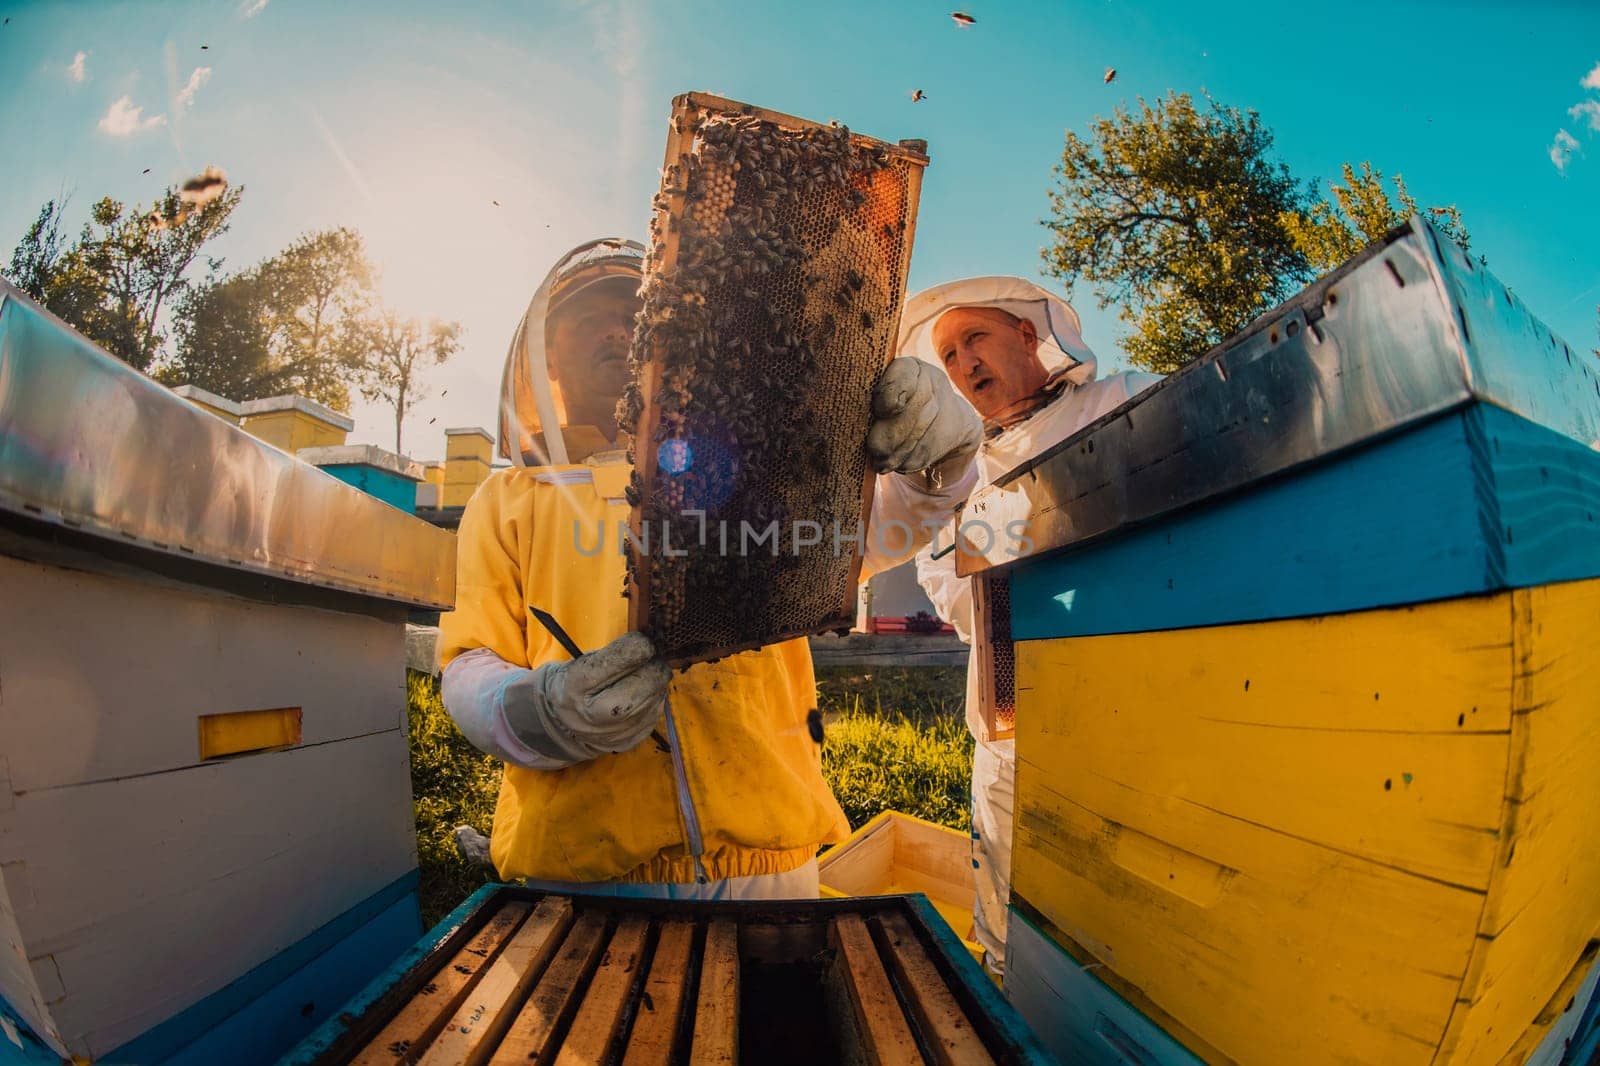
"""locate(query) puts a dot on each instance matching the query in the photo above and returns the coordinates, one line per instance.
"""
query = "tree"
(1174, 214)
(37, 257)
(124, 269)
(292, 323)
(399, 349)
(1359, 213)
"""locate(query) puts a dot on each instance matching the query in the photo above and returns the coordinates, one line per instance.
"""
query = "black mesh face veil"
(532, 411)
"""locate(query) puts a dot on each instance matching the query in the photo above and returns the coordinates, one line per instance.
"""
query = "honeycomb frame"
(782, 280)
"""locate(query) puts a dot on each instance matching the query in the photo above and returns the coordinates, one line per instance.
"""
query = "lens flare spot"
(675, 456)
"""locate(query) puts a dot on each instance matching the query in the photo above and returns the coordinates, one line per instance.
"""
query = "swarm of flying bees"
(757, 312)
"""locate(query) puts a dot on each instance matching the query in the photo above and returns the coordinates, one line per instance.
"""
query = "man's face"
(587, 341)
(990, 355)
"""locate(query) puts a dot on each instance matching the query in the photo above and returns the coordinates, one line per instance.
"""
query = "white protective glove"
(920, 424)
(603, 702)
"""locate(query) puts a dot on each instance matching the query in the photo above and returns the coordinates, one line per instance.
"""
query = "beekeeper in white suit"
(1015, 352)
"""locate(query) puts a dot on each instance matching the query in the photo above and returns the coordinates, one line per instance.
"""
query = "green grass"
(451, 783)
(894, 739)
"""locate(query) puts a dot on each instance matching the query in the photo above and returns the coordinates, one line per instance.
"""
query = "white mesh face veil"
(531, 409)
(1061, 344)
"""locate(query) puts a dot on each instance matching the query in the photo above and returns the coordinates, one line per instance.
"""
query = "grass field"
(894, 740)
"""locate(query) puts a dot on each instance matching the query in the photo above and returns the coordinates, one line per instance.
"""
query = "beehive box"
(1308, 708)
(518, 976)
(779, 252)
(895, 853)
(206, 831)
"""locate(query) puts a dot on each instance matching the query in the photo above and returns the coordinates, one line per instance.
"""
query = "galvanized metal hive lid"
(771, 300)
(91, 445)
(1409, 329)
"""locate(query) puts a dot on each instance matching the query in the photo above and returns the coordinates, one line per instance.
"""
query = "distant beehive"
(771, 300)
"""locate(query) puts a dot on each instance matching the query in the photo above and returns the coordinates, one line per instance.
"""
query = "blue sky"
(407, 120)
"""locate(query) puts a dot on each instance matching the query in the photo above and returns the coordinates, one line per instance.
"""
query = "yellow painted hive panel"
(1276, 837)
(1358, 838)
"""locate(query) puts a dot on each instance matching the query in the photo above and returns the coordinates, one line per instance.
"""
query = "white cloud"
(251, 8)
(125, 118)
(200, 76)
(76, 70)
(1587, 110)
(1591, 80)
(1561, 151)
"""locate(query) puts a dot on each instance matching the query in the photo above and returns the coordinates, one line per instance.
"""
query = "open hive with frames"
(772, 293)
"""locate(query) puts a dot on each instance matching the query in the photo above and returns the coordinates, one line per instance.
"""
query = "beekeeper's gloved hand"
(603, 702)
(919, 423)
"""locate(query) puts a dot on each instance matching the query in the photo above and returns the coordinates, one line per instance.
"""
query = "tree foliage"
(398, 350)
(1181, 217)
(123, 271)
(1332, 231)
(1172, 212)
(292, 323)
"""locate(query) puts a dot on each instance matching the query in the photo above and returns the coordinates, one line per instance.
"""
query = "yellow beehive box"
(896, 853)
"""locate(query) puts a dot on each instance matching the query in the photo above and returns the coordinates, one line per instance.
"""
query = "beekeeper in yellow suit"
(721, 796)
(1015, 352)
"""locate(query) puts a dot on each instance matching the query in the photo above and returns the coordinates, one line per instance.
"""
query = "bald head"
(992, 357)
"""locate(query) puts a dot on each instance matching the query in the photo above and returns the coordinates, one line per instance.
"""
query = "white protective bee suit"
(1079, 398)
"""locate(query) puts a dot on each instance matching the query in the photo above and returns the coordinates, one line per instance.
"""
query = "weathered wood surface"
(478, 1023)
(944, 1024)
(874, 1017)
(1365, 836)
(1543, 906)
(407, 1036)
(533, 1033)
(888, 649)
(1474, 502)
(655, 1025)
(716, 1019)
(599, 1020)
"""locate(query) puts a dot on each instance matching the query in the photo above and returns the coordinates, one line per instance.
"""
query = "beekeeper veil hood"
(532, 411)
(1061, 347)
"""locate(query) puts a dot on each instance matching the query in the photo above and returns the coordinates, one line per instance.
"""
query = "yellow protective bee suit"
(752, 773)
(735, 790)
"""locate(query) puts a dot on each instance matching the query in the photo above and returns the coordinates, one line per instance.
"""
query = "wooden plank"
(554, 998)
(599, 1020)
(945, 1027)
(164, 656)
(888, 649)
(716, 1018)
(879, 1024)
(474, 1030)
(1382, 734)
(1543, 906)
(655, 1025)
(1397, 522)
(1475, 502)
(864, 863)
(1208, 814)
(1547, 491)
(408, 1034)
(280, 861)
(1075, 1015)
